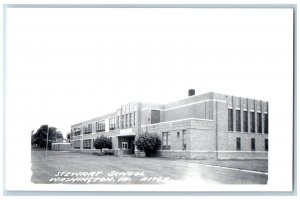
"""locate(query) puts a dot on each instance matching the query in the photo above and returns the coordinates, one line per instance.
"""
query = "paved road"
(113, 169)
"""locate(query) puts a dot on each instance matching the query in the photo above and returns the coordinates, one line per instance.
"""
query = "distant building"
(203, 126)
(61, 140)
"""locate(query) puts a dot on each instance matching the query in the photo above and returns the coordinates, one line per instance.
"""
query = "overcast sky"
(65, 66)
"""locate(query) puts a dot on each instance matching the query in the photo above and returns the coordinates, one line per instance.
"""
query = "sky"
(65, 66)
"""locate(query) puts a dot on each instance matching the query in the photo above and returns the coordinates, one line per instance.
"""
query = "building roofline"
(94, 119)
(166, 105)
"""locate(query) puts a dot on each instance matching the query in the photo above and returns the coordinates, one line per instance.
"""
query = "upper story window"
(130, 119)
(126, 121)
(155, 116)
(118, 122)
(245, 121)
(112, 123)
(88, 129)
(266, 125)
(77, 131)
(238, 120)
(100, 126)
(128, 116)
(259, 123)
(252, 122)
(135, 118)
(122, 121)
(230, 119)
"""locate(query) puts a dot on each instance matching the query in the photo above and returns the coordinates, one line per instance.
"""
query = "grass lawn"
(130, 170)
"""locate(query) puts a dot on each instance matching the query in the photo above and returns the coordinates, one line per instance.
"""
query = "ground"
(64, 167)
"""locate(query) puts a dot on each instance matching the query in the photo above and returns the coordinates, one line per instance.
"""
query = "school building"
(210, 125)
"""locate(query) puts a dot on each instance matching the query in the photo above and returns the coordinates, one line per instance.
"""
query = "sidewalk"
(253, 165)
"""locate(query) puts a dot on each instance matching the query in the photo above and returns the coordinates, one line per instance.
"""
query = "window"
(178, 134)
(238, 144)
(252, 144)
(259, 123)
(134, 119)
(245, 121)
(155, 116)
(238, 120)
(266, 145)
(122, 121)
(166, 141)
(252, 122)
(124, 145)
(118, 122)
(77, 131)
(130, 120)
(112, 123)
(76, 144)
(88, 129)
(230, 119)
(87, 144)
(126, 120)
(183, 140)
(100, 126)
(266, 125)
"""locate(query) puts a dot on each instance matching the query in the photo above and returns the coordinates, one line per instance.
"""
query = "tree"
(39, 138)
(148, 143)
(69, 136)
(102, 142)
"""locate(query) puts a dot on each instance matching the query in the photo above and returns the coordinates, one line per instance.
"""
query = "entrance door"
(124, 145)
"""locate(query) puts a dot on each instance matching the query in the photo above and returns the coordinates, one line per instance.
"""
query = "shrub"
(108, 152)
(102, 142)
(148, 143)
(98, 153)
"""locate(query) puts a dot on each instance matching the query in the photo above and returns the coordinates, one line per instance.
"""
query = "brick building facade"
(203, 126)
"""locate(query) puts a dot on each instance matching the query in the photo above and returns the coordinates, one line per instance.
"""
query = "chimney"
(191, 92)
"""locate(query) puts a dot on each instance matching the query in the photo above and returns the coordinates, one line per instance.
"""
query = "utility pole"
(47, 141)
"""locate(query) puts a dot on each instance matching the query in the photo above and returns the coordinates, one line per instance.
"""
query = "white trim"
(152, 109)
(179, 120)
(185, 105)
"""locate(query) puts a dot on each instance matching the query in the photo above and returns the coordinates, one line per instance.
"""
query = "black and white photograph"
(148, 97)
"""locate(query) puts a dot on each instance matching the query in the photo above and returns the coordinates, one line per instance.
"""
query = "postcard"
(149, 98)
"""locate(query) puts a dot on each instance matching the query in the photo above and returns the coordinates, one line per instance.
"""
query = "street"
(79, 168)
